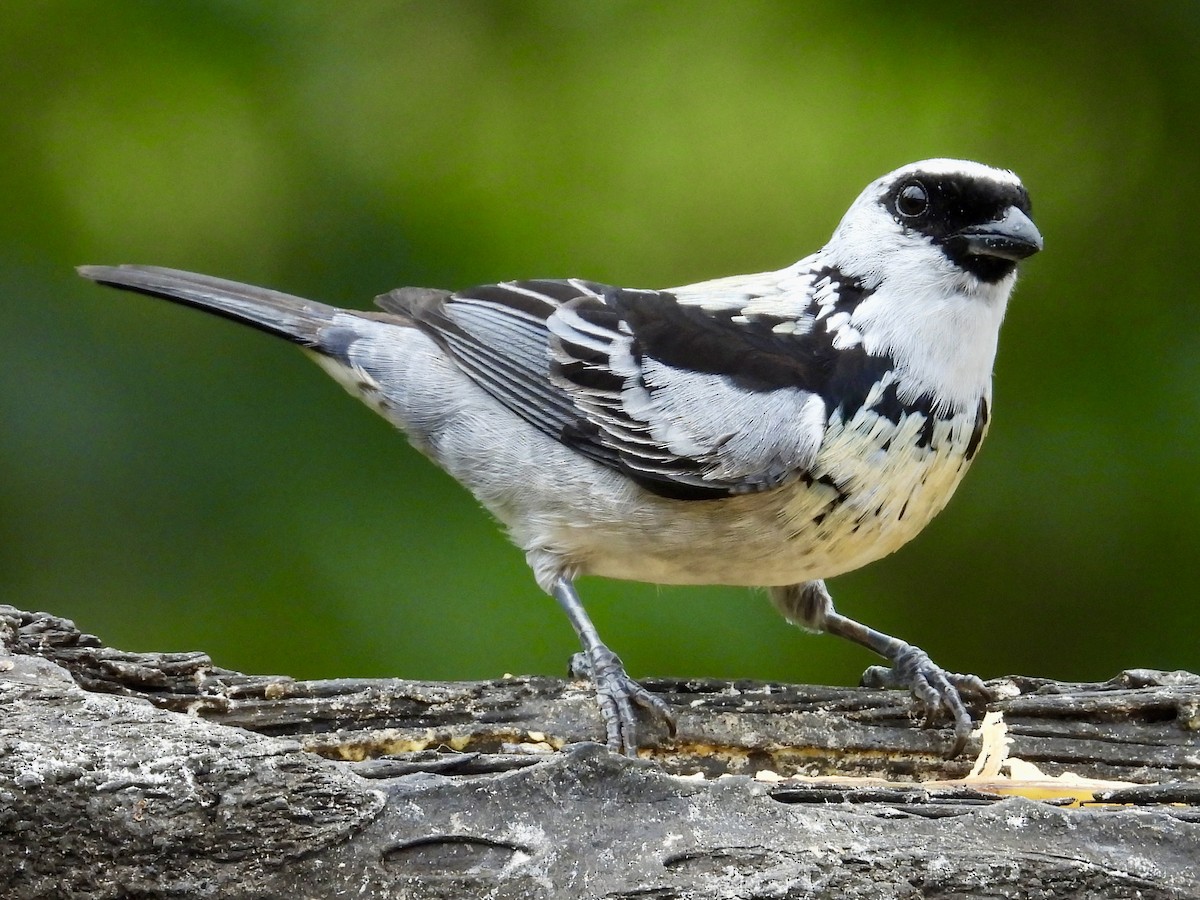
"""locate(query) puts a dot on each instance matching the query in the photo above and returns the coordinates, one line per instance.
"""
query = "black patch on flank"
(840, 495)
(891, 407)
(826, 481)
(956, 202)
(679, 490)
(981, 420)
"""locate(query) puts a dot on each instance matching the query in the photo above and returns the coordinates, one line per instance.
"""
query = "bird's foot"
(618, 696)
(935, 689)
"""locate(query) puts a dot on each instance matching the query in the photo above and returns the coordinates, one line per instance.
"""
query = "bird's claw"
(935, 689)
(618, 696)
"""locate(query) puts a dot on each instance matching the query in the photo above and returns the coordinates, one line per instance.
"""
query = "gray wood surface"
(161, 775)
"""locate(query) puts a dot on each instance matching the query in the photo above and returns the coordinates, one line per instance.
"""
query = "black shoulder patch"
(849, 291)
(853, 374)
(744, 348)
(753, 356)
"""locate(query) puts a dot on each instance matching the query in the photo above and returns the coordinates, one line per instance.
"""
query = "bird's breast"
(874, 486)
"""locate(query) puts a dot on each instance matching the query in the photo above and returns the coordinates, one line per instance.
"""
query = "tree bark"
(162, 775)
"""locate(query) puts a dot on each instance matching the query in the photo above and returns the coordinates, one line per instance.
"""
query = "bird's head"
(936, 244)
(956, 223)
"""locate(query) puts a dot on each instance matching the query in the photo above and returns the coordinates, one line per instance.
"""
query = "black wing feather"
(621, 377)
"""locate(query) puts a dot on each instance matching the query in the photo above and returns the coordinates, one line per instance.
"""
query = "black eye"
(912, 200)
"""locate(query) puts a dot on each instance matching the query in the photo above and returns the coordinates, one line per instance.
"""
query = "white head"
(938, 243)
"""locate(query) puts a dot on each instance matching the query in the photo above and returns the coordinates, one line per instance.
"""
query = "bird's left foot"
(935, 689)
(618, 696)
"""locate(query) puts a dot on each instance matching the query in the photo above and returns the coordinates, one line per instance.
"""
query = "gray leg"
(810, 606)
(616, 692)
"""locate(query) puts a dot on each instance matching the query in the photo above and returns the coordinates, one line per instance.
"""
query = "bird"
(771, 430)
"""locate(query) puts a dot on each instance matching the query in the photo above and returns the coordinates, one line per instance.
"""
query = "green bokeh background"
(172, 481)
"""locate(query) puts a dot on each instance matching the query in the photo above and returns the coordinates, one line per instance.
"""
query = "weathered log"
(162, 775)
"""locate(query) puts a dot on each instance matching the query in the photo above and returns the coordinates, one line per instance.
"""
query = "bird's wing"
(497, 335)
(693, 400)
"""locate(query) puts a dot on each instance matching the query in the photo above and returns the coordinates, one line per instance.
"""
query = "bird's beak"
(1012, 237)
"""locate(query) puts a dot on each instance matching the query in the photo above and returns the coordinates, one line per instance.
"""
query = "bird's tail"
(287, 316)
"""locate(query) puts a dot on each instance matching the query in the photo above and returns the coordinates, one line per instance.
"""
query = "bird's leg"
(810, 606)
(616, 692)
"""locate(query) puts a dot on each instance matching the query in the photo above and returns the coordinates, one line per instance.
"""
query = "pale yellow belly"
(806, 530)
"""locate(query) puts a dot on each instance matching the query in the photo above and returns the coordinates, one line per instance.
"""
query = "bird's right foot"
(935, 689)
(619, 696)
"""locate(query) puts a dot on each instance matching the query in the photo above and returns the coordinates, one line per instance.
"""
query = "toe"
(936, 690)
(619, 696)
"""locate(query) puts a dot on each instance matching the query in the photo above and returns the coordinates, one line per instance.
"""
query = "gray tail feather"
(287, 316)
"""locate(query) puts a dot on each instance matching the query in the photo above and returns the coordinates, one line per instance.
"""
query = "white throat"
(943, 341)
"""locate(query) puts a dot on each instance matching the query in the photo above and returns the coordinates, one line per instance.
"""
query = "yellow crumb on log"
(998, 773)
(994, 772)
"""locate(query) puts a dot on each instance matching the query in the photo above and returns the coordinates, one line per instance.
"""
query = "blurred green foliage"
(172, 481)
